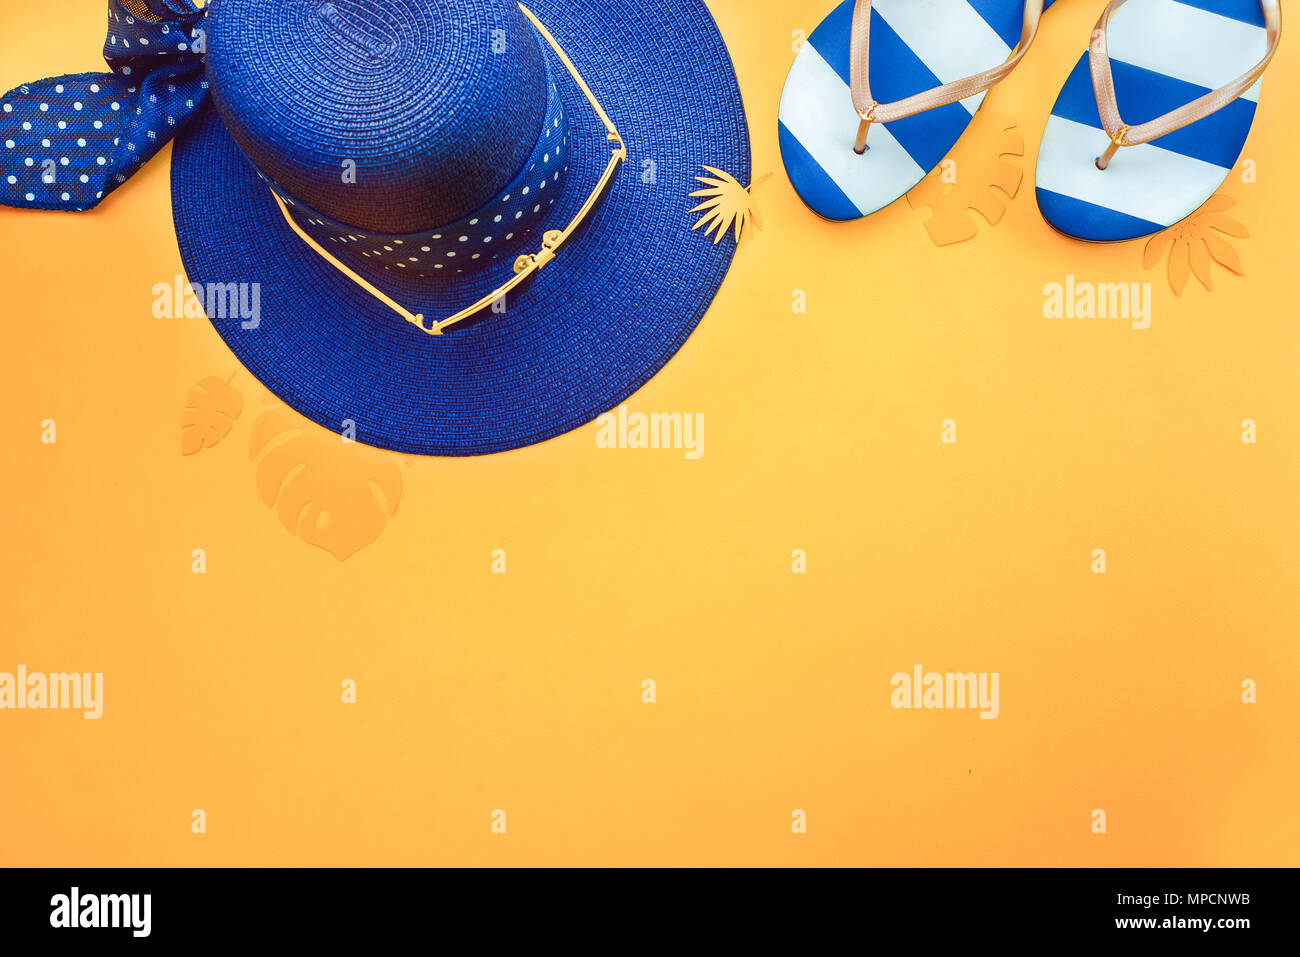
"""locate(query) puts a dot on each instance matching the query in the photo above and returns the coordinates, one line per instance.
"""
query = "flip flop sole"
(1164, 53)
(915, 45)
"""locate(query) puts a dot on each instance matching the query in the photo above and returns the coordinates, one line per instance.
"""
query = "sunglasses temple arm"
(573, 71)
(415, 318)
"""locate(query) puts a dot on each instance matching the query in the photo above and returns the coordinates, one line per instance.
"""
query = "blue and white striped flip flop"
(917, 69)
(1155, 114)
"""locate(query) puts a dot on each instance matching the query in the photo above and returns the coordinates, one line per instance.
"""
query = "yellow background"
(522, 691)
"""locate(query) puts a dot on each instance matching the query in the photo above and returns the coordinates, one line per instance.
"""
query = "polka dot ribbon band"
(67, 142)
(489, 234)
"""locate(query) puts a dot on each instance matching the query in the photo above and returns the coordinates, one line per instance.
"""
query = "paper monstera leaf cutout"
(1196, 243)
(980, 177)
(211, 409)
(333, 494)
(727, 205)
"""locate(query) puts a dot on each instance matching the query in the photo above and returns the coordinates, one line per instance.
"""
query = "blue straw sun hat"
(467, 222)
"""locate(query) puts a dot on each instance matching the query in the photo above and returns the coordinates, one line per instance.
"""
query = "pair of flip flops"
(1150, 122)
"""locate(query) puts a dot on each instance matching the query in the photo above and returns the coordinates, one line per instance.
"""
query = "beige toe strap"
(1103, 83)
(869, 111)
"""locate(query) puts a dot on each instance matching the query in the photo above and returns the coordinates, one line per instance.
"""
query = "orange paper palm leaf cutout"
(333, 494)
(980, 177)
(727, 205)
(1196, 243)
(211, 409)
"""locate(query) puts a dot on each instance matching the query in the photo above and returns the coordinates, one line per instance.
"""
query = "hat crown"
(392, 117)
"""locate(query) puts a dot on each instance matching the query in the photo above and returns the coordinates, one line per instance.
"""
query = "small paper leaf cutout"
(1223, 253)
(980, 177)
(727, 205)
(1225, 224)
(211, 409)
(1199, 257)
(1195, 244)
(1179, 268)
(333, 494)
(1156, 248)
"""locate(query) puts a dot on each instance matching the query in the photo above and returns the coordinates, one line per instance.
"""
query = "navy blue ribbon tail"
(69, 141)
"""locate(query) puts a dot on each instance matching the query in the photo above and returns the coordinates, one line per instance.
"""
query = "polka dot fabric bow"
(67, 142)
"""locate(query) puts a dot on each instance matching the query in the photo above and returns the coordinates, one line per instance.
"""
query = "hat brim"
(577, 339)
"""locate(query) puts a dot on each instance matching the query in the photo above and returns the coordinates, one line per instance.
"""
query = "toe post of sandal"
(867, 116)
(1116, 141)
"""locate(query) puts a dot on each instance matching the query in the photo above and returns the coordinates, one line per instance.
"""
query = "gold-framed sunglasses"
(526, 264)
